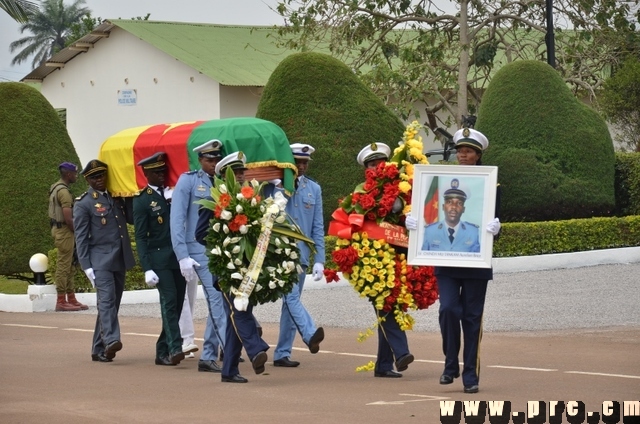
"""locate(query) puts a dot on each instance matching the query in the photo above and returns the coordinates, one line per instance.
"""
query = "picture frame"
(470, 203)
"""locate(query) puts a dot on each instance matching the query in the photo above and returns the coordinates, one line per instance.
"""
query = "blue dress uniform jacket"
(436, 238)
(191, 187)
(102, 243)
(305, 209)
(151, 217)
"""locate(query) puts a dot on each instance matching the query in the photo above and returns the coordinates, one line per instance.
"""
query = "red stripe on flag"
(146, 145)
(174, 143)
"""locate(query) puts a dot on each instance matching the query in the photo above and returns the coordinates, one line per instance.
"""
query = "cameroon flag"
(431, 203)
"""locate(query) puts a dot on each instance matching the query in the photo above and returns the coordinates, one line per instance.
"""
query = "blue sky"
(242, 12)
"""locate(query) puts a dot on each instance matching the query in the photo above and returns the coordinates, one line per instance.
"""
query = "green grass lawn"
(12, 286)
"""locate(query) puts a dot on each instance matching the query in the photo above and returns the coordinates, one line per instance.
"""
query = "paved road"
(550, 335)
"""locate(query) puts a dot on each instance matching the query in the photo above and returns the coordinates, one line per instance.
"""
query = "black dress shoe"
(285, 362)
(234, 379)
(471, 389)
(112, 348)
(388, 374)
(164, 361)
(403, 362)
(314, 341)
(176, 358)
(208, 366)
(447, 379)
(100, 357)
(258, 362)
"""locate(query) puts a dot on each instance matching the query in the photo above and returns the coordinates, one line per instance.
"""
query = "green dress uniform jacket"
(151, 219)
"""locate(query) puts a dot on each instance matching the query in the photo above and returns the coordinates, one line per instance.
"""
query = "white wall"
(167, 91)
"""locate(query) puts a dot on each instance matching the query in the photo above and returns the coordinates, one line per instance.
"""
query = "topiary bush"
(627, 184)
(555, 154)
(317, 99)
(33, 142)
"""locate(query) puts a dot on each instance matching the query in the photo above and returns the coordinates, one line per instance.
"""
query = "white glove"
(318, 271)
(411, 223)
(187, 270)
(493, 226)
(151, 278)
(168, 193)
(91, 276)
(276, 181)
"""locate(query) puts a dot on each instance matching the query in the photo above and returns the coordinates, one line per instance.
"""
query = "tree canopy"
(443, 53)
(620, 102)
(19, 10)
(49, 28)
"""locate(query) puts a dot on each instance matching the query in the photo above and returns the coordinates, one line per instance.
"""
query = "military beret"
(67, 166)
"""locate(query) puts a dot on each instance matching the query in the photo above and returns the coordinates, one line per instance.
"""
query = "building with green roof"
(129, 73)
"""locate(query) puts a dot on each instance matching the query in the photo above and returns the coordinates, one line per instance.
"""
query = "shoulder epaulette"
(137, 193)
(82, 195)
(471, 224)
(439, 224)
(311, 179)
(191, 172)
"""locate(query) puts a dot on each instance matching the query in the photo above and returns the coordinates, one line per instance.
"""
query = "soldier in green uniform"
(61, 220)
(151, 213)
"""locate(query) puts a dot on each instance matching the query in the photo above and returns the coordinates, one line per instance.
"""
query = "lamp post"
(549, 38)
(38, 264)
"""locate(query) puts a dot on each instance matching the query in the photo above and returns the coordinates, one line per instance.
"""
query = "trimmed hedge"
(33, 142)
(555, 153)
(317, 99)
(627, 183)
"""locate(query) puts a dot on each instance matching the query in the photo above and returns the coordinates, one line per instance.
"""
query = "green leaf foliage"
(627, 184)
(555, 154)
(33, 142)
(317, 99)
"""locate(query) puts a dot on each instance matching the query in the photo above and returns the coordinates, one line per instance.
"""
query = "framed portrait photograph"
(452, 204)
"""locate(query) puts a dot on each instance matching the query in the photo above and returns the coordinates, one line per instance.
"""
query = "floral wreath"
(239, 212)
(374, 267)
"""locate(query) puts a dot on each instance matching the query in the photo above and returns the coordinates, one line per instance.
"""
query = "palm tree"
(19, 10)
(49, 27)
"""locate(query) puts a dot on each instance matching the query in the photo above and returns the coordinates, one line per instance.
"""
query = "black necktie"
(161, 191)
(451, 235)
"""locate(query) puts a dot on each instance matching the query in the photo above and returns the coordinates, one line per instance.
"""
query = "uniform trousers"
(109, 288)
(293, 318)
(392, 342)
(187, 331)
(171, 288)
(64, 241)
(214, 331)
(461, 304)
(241, 331)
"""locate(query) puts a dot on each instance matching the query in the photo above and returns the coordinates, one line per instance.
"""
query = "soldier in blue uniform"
(452, 234)
(393, 346)
(151, 212)
(242, 329)
(191, 187)
(462, 290)
(104, 253)
(305, 208)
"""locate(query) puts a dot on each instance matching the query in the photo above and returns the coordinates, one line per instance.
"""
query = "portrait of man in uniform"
(452, 234)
